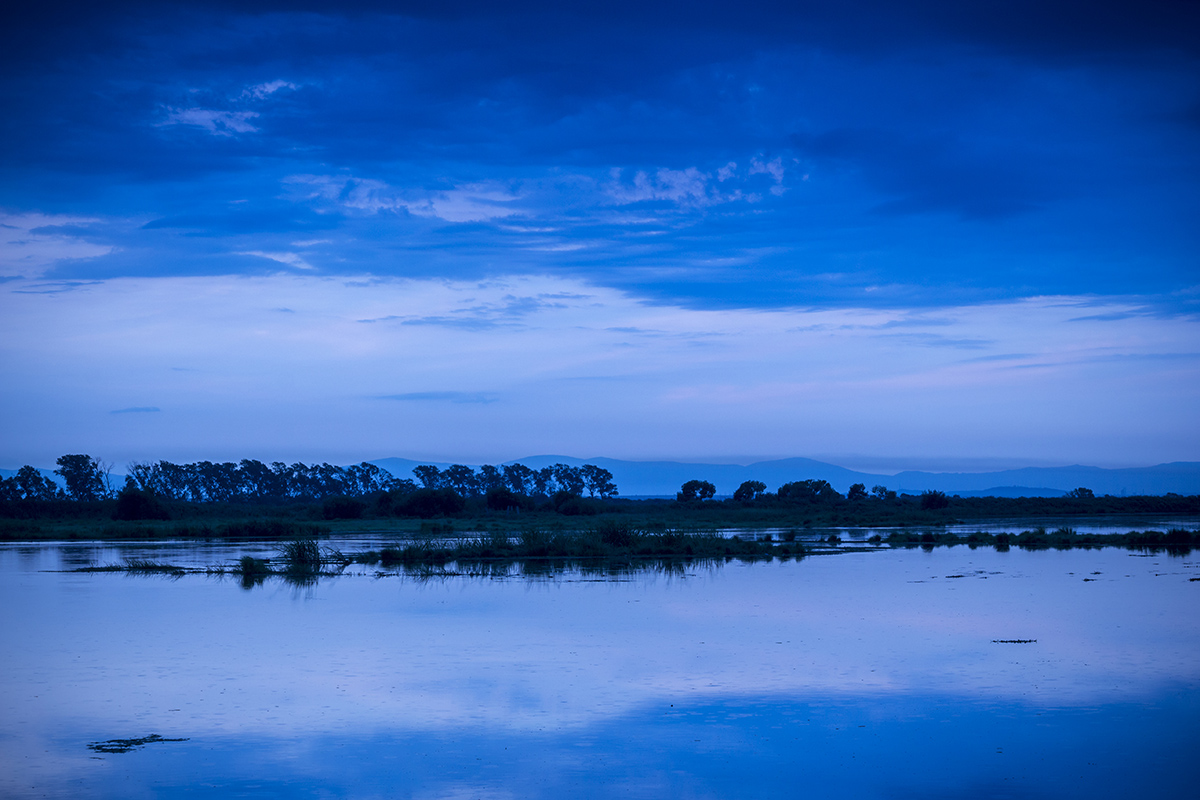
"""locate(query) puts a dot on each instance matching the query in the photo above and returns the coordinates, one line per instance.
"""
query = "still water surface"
(863, 675)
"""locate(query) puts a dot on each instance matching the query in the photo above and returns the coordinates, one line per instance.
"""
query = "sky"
(925, 235)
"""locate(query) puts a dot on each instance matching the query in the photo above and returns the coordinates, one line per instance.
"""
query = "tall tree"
(461, 479)
(429, 476)
(598, 481)
(568, 478)
(86, 477)
(520, 478)
(33, 485)
(489, 478)
(543, 482)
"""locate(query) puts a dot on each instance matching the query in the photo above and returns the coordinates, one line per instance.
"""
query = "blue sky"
(956, 233)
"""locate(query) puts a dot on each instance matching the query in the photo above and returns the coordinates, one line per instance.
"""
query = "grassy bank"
(286, 518)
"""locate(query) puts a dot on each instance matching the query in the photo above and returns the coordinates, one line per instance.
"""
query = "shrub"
(933, 499)
(342, 508)
(134, 503)
(426, 503)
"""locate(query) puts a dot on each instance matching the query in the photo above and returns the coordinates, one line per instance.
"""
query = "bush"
(572, 505)
(343, 508)
(133, 503)
(426, 503)
(501, 499)
(615, 533)
(933, 499)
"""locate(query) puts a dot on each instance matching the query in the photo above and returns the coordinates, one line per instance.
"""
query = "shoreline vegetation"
(253, 500)
(614, 549)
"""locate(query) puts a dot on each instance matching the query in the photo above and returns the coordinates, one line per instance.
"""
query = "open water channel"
(886, 674)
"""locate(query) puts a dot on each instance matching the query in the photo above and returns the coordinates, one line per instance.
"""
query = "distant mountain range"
(663, 478)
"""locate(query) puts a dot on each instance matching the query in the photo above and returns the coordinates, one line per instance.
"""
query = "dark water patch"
(126, 745)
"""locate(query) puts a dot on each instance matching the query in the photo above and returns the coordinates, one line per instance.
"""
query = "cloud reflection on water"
(357, 658)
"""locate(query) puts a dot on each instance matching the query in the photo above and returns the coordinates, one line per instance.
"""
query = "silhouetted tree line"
(365, 489)
(820, 491)
(514, 486)
(86, 478)
(250, 480)
(520, 480)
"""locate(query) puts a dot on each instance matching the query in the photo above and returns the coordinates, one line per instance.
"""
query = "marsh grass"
(301, 555)
(615, 549)
(609, 541)
(136, 566)
(1175, 541)
(147, 567)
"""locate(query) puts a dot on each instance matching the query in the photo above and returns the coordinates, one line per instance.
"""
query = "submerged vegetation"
(126, 745)
(613, 548)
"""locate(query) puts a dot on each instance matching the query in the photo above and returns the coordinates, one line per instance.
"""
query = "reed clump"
(609, 540)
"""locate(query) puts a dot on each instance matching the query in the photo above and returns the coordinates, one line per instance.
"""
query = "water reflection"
(862, 675)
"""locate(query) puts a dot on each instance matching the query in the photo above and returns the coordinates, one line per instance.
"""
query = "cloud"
(218, 123)
(937, 340)
(263, 90)
(685, 187)
(443, 397)
(472, 202)
(226, 122)
(290, 259)
(786, 379)
(137, 410)
(692, 188)
(33, 243)
(466, 323)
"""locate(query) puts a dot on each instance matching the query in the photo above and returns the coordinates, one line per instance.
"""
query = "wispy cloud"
(235, 118)
(743, 377)
(937, 340)
(443, 397)
(137, 410)
(32, 242)
(263, 90)
(471, 202)
(693, 188)
(290, 259)
(216, 122)
(53, 287)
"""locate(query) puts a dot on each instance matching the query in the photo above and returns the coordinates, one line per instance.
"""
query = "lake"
(885, 674)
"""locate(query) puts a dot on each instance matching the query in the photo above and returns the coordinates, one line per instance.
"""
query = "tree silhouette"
(598, 481)
(694, 489)
(86, 478)
(749, 490)
(811, 490)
